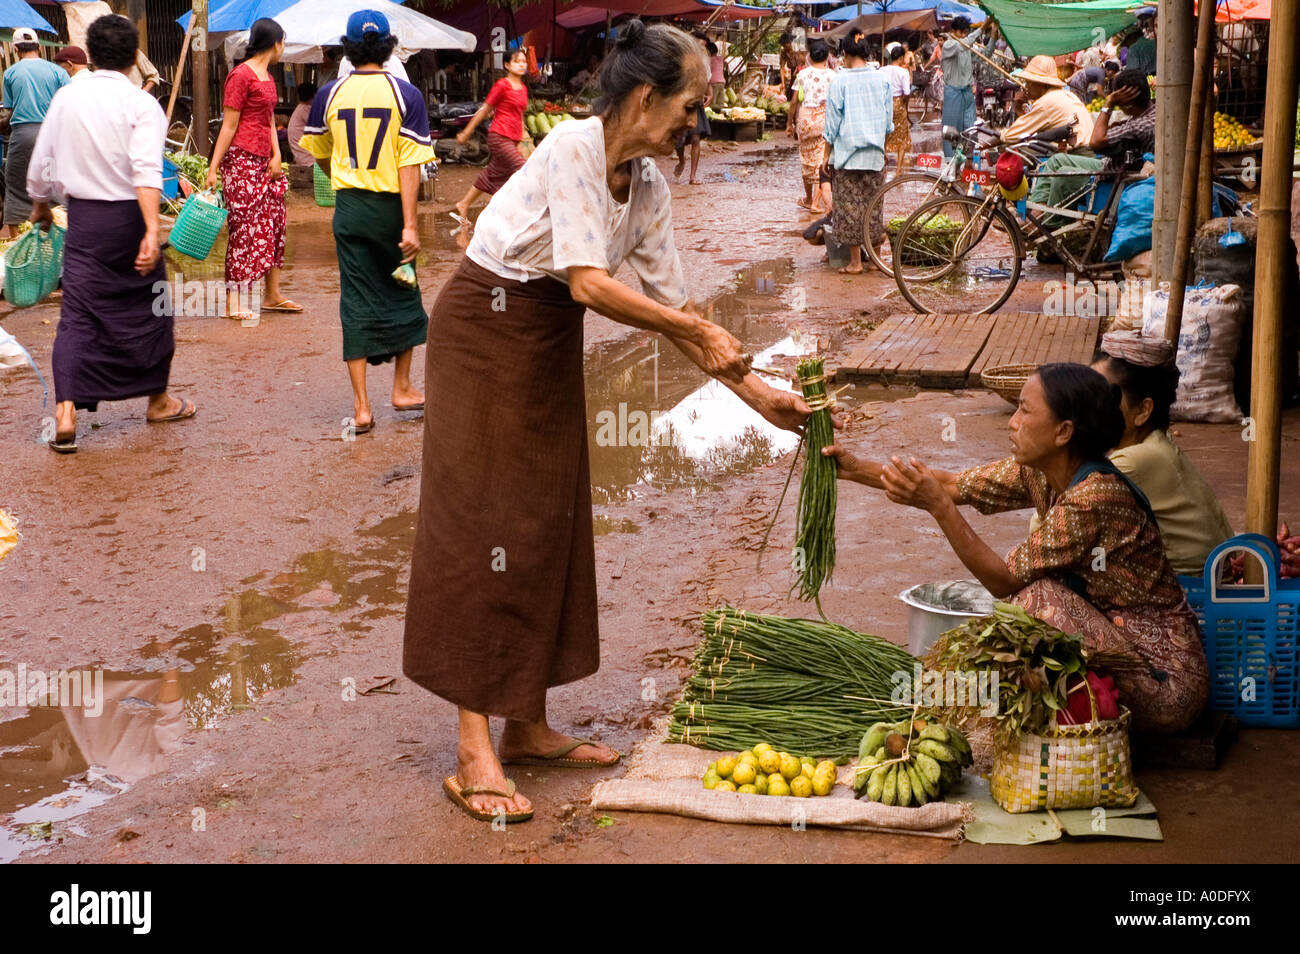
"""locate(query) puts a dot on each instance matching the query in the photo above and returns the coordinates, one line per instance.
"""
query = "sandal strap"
(568, 747)
(487, 790)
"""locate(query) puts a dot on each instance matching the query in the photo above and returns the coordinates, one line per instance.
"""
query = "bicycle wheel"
(958, 256)
(900, 197)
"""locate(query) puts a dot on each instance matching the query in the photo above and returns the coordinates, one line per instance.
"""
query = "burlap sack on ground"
(1207, 351)
(664, 777)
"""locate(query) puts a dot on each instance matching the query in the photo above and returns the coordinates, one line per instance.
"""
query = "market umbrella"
(15, 14)
(310, 25)
(1232, 11)
(944, 8)
(236, 14)
(1031, 29)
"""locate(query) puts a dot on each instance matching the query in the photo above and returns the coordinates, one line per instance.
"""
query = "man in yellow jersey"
(369, 131)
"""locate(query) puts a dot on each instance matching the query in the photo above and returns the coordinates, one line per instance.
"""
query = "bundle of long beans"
(802, 685)
(815, 540)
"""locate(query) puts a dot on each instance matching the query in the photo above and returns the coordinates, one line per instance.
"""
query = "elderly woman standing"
(808, 120)
(247, 154)
(1128, 605)
(502, 602)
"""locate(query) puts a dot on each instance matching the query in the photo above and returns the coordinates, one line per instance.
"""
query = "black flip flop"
(409, 407)
(363, 428)
(65, 446)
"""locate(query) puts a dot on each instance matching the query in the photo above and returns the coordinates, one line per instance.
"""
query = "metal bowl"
(935, 608)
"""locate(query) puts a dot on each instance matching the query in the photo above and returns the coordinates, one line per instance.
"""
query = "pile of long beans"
(802, 685)
(815, 540)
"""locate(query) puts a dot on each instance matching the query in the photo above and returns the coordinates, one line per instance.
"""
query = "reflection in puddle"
(59, 761)
(655, 419)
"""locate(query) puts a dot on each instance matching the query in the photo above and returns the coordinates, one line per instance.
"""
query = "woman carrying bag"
(253, 183)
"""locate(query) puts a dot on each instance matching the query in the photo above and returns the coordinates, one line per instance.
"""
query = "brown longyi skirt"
(502, 599)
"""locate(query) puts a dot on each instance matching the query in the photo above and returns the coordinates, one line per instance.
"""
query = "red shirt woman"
(247, 154)
(505, 103)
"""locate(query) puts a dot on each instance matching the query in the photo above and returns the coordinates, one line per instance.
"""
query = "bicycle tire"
(911, 283)
(880, 198)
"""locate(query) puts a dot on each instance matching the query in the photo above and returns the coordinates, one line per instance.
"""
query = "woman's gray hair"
(656, 55)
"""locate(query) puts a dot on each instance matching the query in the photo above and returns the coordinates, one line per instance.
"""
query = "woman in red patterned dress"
(506, 103)
(247, 154)
(1095, 565)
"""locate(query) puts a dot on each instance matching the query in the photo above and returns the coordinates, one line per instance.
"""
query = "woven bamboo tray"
(1006, 380)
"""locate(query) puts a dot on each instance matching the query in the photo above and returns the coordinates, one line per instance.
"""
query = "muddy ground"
(263, 558)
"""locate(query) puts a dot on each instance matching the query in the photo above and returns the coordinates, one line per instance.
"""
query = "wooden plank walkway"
(1027, 338)
(927, 350)
(950, 351)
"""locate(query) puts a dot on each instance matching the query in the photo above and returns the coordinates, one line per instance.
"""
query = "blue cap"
(365, 22)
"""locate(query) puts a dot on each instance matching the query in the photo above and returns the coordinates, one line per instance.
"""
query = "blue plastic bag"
(1137, 206)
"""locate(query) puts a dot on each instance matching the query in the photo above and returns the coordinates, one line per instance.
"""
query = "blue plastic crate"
(1251, 636)
(171, 184)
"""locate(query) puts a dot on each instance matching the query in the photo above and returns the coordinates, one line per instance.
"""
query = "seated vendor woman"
(1191, 521)
(1095, 565)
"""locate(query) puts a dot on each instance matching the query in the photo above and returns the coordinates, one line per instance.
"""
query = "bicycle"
(903, 194)
(964, 254)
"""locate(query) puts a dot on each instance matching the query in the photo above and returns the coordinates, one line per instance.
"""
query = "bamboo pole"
(1205, 177)
(1191, 164)
(180, 71)
(1272, 263)
(199, 75)
(1175, 37)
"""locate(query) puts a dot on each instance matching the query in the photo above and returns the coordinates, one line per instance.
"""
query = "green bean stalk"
(815, 541)
(803, 685)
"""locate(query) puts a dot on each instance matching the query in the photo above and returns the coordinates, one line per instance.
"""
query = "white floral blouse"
(557, 212)
(814, 81)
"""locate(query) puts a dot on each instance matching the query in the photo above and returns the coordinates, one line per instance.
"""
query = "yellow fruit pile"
(1230, 134)
(1097, 103)
(764, 771)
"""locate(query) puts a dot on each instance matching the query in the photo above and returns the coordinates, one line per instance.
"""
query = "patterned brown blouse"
(1129, 569)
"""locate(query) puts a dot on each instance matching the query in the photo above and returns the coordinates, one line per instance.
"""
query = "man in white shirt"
(100, 154)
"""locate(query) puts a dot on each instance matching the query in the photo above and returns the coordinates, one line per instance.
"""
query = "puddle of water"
(655, 419)
(58, 761)
(602, 525)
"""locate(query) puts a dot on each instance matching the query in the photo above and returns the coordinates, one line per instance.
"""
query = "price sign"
(980, 177)
(925, 161)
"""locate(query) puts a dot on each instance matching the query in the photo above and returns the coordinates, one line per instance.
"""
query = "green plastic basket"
(198, 225)
(33, 266)
(321, 186)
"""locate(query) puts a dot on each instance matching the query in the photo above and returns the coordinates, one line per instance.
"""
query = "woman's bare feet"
(535, 739)
(477, 767)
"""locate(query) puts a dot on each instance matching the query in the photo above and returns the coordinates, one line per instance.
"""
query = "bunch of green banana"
(910, 762)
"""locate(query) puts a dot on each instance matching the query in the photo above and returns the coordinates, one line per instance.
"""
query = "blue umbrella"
(15, 14)
(235, 14)
(946, 8)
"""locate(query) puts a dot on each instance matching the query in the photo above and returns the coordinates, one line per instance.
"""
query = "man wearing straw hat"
(1052, 104)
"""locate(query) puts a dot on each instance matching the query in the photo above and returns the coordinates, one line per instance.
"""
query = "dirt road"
(263, 557)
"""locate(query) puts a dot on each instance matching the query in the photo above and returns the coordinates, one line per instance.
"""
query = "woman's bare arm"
(719, 353)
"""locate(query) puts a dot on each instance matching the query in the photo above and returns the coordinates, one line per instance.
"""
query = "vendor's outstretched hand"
(849, 465)
(913, 484)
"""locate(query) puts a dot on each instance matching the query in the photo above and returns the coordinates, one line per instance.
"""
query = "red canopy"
(1233, 11)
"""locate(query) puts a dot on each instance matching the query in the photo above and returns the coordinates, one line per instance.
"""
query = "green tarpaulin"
(1056, 28)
